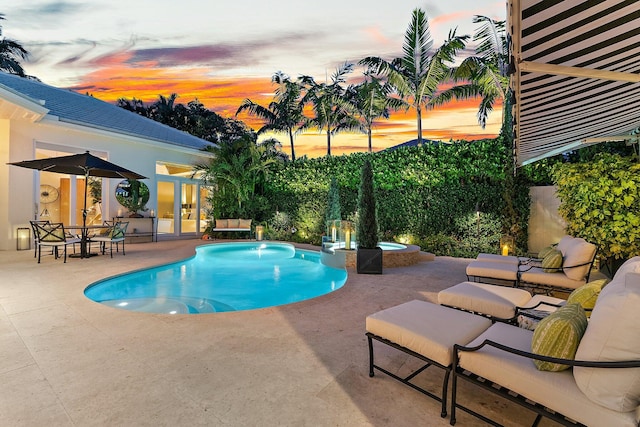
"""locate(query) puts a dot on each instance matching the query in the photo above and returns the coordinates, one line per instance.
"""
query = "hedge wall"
(425, 195)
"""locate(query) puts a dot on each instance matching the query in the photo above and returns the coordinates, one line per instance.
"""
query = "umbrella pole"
(83, 245)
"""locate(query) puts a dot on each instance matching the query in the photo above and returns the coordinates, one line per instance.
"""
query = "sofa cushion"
(578, 259)
(244, 223)
(233, 223)
(586, 295)
(613, 334)
(558, 335)
(552, 262)
(221, 223)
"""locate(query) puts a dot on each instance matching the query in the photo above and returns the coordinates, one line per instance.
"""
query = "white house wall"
(19, 140)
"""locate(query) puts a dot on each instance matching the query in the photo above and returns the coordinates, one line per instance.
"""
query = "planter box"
(369, 261)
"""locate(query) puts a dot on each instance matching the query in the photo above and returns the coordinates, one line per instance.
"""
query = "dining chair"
(34, 230)
(54, 236)
(116, 234)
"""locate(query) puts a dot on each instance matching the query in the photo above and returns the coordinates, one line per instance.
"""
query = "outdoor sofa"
(233, 225)
(575, 257)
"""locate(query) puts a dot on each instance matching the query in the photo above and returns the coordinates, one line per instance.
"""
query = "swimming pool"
(222, 277)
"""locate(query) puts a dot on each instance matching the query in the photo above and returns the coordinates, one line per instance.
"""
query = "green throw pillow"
(552, 262)
(546, 251)
(558, 335)
(586, 295)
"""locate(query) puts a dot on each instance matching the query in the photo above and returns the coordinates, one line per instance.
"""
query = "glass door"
(166, 208)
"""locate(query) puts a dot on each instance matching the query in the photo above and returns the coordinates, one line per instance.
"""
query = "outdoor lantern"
(346, 233)
(507, 245)
(259, 232)
(23, 239)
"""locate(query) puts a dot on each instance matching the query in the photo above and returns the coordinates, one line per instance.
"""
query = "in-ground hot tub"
(393, 255)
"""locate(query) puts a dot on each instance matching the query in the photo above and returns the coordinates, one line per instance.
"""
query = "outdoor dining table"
(84, 238)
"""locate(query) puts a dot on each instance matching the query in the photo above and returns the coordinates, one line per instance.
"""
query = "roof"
(72, 107)
(577, 74)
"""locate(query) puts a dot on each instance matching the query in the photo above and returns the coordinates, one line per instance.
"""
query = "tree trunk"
(419, 119)
(293, 153)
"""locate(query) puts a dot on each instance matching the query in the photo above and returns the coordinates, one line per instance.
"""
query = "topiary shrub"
(367, 222)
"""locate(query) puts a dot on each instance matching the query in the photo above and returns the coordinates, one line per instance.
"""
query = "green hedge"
(425, 195)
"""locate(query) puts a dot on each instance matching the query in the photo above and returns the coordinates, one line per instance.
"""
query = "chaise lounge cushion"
(426, 328)
(493, 300)
(613, 334)
(494, 270)
(555, 390)
(558, 335)
(538, 276)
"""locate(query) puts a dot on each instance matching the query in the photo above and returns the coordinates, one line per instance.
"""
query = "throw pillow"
(546, 251)
(586, 295)
(558, 335)
(552, 262)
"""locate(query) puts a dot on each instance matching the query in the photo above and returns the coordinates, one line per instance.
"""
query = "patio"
(66, 360)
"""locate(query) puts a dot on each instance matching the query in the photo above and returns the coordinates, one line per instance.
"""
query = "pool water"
(222, 277)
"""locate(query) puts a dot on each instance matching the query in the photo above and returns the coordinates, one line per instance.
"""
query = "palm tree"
(485, 75)
(416, 75)
(372, 100)
(333, 112)
(11, 52)
(284, 113)
(236, 174)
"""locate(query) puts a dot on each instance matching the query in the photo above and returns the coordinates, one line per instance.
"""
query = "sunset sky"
(224, 51)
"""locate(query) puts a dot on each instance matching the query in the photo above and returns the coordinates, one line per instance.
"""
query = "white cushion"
(555, 390)
(613, 334)
(493, 300)
(537, 276)
(509, 259)
(564, 244)
(426, 328)
(494, 270)
(632, 265)
(579, 252)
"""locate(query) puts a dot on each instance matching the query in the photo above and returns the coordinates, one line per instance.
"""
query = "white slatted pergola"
(577, 74)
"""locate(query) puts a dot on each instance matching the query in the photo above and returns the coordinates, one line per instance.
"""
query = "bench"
(232, 225)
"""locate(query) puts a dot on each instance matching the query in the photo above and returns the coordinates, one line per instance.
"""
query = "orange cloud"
(456, 120)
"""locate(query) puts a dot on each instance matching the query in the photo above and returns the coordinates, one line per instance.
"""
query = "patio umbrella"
(85, 164)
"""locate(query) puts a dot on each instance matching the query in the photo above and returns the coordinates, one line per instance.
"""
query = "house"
(39, 121)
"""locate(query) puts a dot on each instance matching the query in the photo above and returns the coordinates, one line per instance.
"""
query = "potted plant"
(369, 255)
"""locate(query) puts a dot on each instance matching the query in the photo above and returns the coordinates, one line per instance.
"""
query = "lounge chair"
(577, 258)
(603, 386)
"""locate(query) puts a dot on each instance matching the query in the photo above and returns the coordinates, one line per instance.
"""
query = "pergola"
(576, 74)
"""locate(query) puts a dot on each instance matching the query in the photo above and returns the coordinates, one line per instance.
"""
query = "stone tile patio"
(67, 361)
